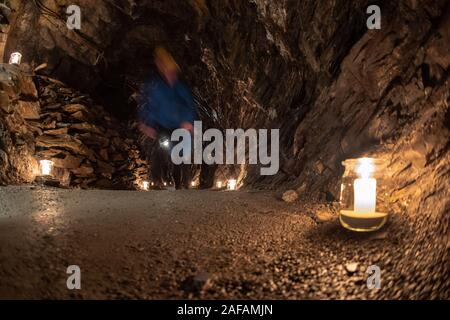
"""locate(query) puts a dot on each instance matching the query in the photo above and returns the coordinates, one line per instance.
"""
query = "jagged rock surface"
(17, 162)
(85, 141)
(87, 146)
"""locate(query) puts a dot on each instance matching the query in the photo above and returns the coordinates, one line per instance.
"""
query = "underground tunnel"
(349, 100)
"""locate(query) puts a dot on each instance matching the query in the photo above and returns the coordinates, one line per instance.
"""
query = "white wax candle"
(365, 191)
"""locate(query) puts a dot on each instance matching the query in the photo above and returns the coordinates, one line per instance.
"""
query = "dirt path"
(184, 244)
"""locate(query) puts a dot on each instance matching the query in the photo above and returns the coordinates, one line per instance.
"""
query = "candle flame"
(365, 167)
(46, 167)
(232, 184)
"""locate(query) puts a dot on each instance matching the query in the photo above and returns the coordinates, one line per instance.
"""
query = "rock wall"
(341, 93)
(391, 100)
(88, 147)
(18, 102)
(5, 12)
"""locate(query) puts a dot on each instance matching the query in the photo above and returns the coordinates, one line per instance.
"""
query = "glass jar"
(364, 205)
(16, 58)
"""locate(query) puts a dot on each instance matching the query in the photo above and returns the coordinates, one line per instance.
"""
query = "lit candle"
(219, 184)
(46, 167)
(365, 195)
(231, 184)
(365, 188)
(363, 213)
(145, 185)
(15, 58)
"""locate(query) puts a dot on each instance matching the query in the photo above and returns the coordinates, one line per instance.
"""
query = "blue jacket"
(165, 106)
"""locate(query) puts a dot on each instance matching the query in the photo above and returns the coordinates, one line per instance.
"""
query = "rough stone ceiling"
(243, 45)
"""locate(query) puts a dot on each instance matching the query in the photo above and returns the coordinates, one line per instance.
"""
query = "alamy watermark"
(74, 280)
(74, 17)
(374, 20)
(230, 149)
(374, 278)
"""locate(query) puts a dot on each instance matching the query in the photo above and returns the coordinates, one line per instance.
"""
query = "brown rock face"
(81, 135)
(68, 162)
(58, 133)
(63, 141)
(17, 162)
(28, 110)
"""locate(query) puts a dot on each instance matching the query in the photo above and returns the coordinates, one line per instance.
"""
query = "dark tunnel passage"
(83, 183)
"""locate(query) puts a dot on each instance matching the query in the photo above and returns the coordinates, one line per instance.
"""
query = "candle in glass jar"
(361, 209)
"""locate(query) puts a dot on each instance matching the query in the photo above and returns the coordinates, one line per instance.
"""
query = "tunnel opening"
(333, 88)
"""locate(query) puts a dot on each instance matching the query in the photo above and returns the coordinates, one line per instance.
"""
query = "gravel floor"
(191, 244)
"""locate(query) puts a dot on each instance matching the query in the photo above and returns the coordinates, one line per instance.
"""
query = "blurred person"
(168, 105)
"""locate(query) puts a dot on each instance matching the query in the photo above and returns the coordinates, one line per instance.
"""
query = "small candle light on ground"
(15, 58)
(164, 143)
(46, 167)
(232, 184)
(219, 184)
(145, 185)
